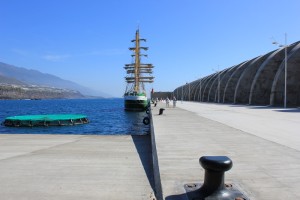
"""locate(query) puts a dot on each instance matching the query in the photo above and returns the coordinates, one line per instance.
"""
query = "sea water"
(106, 116)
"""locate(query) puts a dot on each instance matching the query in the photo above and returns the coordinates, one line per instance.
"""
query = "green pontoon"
(45, 120)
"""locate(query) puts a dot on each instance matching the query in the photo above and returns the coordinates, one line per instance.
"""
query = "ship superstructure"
(138, 74)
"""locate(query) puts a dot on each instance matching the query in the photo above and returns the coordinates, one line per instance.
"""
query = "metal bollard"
(214, 187)
(161, 110)
(215, 167)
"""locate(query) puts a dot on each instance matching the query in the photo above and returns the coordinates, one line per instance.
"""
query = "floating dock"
(45, 120)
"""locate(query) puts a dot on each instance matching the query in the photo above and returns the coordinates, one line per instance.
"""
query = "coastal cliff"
(11, 91)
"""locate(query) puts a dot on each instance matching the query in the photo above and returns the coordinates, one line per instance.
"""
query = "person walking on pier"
(167, 102)
(174, 102)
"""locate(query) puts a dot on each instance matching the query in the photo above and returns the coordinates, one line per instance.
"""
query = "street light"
(189, 90)
(181, 94)
(285, 66)
(217, 71)
(200, 88)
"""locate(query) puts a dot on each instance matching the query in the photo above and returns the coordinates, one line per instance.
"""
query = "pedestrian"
(174, 102)
(167, 102)
(155, 102)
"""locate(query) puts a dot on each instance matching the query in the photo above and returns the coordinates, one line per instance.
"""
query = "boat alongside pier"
(138, 73)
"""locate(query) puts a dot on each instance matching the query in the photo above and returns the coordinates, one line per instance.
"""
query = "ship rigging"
(137, 74)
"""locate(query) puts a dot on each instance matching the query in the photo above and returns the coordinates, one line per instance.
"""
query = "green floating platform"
(45, 120)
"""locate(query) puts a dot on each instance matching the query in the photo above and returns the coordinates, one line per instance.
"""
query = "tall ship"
(138, 74)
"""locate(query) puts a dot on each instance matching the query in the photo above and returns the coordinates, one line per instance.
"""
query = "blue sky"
(86, 41)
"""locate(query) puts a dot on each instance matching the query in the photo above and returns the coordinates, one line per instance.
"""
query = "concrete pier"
(70, 167)
(263, 143)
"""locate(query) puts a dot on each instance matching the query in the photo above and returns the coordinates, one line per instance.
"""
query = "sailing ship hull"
(135, 103)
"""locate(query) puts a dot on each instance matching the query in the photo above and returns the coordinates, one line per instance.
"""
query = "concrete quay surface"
(71, 167)
(262, 142)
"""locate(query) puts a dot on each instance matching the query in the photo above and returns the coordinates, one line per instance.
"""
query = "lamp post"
(189, 97)
(218, 87)
(285, 67)
(200, 88)
(217, 71)
(181, 94)
(189, 91)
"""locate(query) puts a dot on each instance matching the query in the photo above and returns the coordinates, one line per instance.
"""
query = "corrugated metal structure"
(259, 81)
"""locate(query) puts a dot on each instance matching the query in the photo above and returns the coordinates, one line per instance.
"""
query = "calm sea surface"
(106, 116)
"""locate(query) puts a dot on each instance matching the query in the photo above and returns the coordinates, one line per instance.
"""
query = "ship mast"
(137, 62)
(137, 70)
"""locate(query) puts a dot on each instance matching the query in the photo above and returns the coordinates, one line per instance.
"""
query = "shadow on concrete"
(274, 108)
(177, 197)
(255, 107)
(262, 107)
(143, 146)
(291, 110)
(242, 106)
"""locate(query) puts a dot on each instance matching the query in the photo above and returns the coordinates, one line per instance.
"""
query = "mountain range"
(10, 74)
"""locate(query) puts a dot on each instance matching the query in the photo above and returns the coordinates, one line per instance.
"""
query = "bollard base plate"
(230, 192)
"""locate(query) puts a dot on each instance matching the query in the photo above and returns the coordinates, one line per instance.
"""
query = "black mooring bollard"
(161, 110)
(214, 166)
(214, 187)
